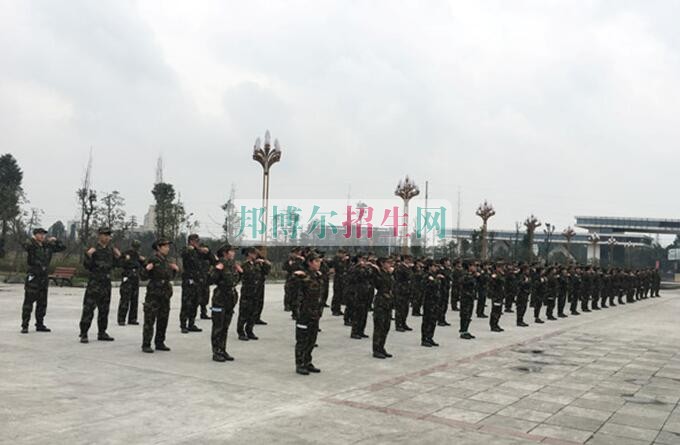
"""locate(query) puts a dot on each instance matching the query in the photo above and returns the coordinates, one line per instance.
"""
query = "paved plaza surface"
(608, 377)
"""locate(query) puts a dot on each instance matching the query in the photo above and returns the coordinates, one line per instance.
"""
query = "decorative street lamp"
(267, 157)
(406, 190)
(485, 211)
(629, 246)
(594, 238)
(548, 231)
(610, 252)
(531, 223)
(569, 234)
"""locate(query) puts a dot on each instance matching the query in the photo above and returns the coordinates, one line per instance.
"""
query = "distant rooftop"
(612, 224)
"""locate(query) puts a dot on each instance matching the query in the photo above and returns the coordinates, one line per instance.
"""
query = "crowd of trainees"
(392, 288)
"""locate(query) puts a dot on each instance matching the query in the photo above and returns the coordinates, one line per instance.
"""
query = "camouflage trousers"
(444, 297)
(550, 305)
(338, 296)
(259, 304)
(431, 310)
(305, 339)
(467, 303)
(496, 310)
(359, 317)
(156, 314)
(192, 292)
(246, 314)
(221, 319)
(401, 303)
(34, 295)
(382, 318)
(521, 305)
(129, 300)
(97, 296)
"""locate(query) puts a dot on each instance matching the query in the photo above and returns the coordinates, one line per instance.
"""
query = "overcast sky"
(556, 108)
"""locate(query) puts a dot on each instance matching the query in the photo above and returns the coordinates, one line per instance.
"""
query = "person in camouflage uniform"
(131, 263)
(523, 292)
(468, 283)
(206, 263)
(403, 282)
(551, 293)
(306, 285)
(40, 251)
(510, 287)
(562, 292)
(250, 282)
(340, 264)
(497, 291)
(325, 270)
(445, 294)
(538, 293)
(656, 283)
(383, 304)
(264, 267)
(194, 259)
(225, 275)
(575, 291)
(359, 295)
(417, 288)
(294, 263)
(100, 262)
(482, 289)
(456, 284)
(432, 287)
(160, 273)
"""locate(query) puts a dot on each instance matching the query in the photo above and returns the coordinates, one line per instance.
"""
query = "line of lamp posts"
(268, 154)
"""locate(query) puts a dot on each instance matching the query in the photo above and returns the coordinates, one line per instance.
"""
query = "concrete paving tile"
(560, 432)
(460, 414)
(607, 439)
(509, 423)
(631, 432)
(481, 406)
(576, 422)
(526, 414)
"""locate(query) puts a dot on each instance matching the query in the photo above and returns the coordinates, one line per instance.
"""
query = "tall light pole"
(594, 238)
(485, 211)
(612, 242)
(629, 246)
(406, 190)
(267, 157)
(531, 223)
(569, 234)
(548, 231)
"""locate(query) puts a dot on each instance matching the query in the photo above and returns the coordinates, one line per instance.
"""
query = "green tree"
(87, 201)
(58, 230)
(164, 194)
(11, 195)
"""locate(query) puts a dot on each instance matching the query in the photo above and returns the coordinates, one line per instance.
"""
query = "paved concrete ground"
(609, 377)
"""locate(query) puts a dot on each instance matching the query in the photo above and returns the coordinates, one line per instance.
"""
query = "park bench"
(63, 275)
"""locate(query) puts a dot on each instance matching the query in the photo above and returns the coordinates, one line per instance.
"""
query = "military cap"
(39, 230)
(311, 256)
(225, 248)
(160, 242)
(193, 237)
(105, 231)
